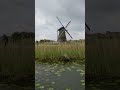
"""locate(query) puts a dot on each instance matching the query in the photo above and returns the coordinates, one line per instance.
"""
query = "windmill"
(87, 26)
(61, 32)
(87, 29)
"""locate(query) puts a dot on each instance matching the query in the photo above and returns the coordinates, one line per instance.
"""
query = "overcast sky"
(46, 24)
(16, 15)
(103, 15)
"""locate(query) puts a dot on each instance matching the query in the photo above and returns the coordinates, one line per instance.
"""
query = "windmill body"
(62, 35)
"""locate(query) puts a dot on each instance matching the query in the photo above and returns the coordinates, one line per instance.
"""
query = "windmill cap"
(60, 28)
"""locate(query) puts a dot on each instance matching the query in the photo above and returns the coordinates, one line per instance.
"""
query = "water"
(105, 84)
(59, 77)
(13, 87)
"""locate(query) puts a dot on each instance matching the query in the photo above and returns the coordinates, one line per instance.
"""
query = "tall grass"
(17, 58)
(73, 50)
(103, 57)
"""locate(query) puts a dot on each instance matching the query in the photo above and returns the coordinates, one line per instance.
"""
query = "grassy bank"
(51, 52)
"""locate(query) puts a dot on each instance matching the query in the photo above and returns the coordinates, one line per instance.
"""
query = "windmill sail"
(59, 21)
(68, 24)
(87, 26)
(68, 33)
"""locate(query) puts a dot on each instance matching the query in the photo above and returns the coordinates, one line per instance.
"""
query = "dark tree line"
(22, 35)
(44, 41)
(16, 36)
(107, 35)
(5, 39)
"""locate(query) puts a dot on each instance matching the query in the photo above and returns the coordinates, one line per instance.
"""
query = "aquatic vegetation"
(53, 76)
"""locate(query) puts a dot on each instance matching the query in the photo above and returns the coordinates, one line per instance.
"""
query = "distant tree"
(16, 36)
(5, 40)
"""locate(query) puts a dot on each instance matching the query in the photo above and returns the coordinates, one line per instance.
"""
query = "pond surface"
(105, 84)
(13, 87)
(68, 76)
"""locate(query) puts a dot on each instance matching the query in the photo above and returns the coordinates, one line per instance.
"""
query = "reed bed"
(52, 51)
(103, 57)
(16, 56)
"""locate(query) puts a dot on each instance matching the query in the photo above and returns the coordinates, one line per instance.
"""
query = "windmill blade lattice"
(87, 26)
(68, 24)
(59, 21)
(68, 33)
